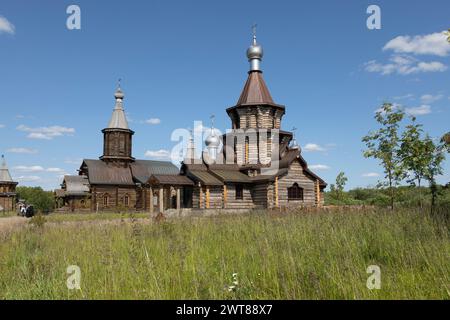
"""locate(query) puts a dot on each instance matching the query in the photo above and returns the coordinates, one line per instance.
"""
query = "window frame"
(239, 192)
(295, 192)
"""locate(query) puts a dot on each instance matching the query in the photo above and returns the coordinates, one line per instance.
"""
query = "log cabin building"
(254, 165)
(7, 188)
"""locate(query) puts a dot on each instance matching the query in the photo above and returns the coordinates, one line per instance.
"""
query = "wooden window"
(239, 192)
(295, 192)
(105, 200)
(126, 200)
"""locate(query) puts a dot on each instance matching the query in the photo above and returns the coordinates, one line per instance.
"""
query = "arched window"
(105, 200)
(295, 192)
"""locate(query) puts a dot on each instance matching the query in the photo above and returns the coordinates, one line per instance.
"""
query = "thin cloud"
(6, 26)
(29, 168)
(404, 65)
(429, 44)
(55, 170)
(370, 175)
(46, 133)
(28, 178)
(22, 150)
(419, 111)
(429, 98)
(2, 126)
(153, 121)
(158, 154)
(313, 147)
(319, 167)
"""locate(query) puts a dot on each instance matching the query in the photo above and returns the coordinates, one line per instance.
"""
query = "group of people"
(26, 210)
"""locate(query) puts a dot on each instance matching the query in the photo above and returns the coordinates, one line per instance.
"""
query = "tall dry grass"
(290, 256)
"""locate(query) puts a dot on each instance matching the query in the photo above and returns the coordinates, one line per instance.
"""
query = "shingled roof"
(76, 185)
(4, 172)
(99, 172)
(255, 92)
(142, 170)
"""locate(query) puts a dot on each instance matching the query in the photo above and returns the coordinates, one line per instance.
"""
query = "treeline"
(406, 196)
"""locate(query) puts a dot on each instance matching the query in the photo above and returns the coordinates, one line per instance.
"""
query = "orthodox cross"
(212, 117)
(254, 30)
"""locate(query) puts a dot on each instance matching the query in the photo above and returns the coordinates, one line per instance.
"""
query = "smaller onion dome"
(119, 94)
(212, 141)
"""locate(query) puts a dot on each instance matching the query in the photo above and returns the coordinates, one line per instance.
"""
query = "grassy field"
(274, 256)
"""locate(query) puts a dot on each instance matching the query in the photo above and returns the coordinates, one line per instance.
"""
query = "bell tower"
(256, 118)
(117, 137)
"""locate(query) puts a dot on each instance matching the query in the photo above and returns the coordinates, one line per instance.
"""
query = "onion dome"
(255, 53)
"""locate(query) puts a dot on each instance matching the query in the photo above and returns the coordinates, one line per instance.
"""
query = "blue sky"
(182, 61)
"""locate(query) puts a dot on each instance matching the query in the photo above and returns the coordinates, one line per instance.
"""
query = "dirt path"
(10, 223)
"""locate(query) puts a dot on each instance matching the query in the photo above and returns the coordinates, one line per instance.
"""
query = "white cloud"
(153, 121)
(404, 65)
(370, 175)
(319, 167)
(56, 170)
(312, 147)
(28, 178)
(418, 111)
(159, 154)
(22, 150)
(2, 126)
(430, 44)
(46, 133)
(429, 98)
(29, 168)
(6, 26)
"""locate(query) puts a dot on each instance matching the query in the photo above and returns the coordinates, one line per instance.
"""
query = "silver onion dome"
(255, 51)
(213, 140)
(119, 94)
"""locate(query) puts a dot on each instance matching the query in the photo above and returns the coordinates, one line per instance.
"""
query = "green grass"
(61, 217)
(293, 256)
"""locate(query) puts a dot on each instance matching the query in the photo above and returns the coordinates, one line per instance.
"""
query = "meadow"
(317, 255)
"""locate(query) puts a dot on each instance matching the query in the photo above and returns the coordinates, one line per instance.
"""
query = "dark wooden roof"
(142, 170)
(255, 91)
(204, 177)
(232, 176)
(173, 180)
(100, 172)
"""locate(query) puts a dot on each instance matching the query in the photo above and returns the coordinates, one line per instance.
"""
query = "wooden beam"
(207, 197)
(276, 192)
(317, 193)
(151, 200)
(200, 196)
(161, 200)
(225, 196)
(178, 199)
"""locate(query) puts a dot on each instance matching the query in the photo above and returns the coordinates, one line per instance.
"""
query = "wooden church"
(7, 189)
(255, 165)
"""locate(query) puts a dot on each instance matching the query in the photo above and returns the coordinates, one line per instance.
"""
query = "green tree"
(413, 153)
(384, 145)
(36, 196)
(448, 35)
(341, 180)
(436, 155)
